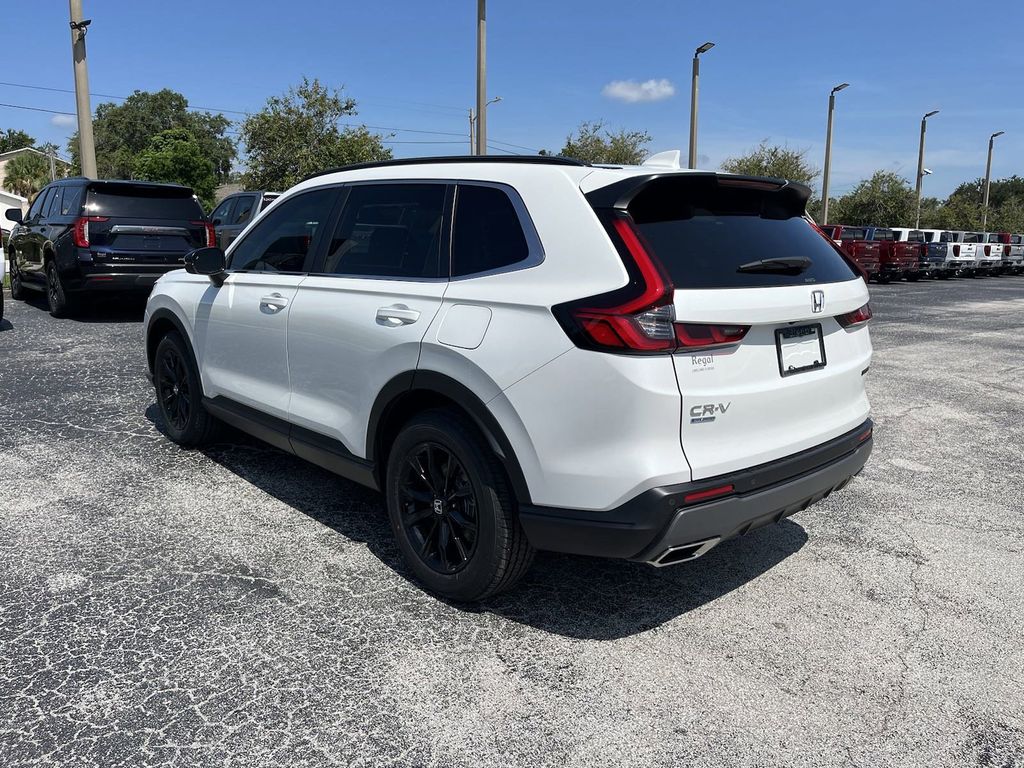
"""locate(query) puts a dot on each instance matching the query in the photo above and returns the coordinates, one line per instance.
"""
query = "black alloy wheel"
(438, 508)
(17, 289)
(173, 390)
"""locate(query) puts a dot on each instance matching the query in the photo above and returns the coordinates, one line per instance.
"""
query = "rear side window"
(53, 206)
(487, 233)
(388, 230)
(703, 233)
(282, 240)
(243, 210)
(222, 213)
(138, 202)
(71, 202)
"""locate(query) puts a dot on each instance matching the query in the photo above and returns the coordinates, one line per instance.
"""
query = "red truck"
(899, 259)
(855, 244)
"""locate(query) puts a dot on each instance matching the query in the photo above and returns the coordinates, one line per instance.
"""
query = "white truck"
(1013, 259)
(927, 265)
(987, 255)
(958, 259)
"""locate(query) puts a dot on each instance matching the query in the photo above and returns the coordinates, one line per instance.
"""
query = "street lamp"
(828, 151)
(693, 101)
(988, 178)
(473, 121)
(920, 166)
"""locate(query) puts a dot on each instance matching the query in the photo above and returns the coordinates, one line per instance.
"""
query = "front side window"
(223, 211)
(487, 233)
(283, 239)
(41, 199)
(388, 230)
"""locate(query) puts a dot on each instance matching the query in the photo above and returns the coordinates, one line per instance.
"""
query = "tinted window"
(916, 237)
(972, 237)
(282, 240)
(267, 200)
(243, 209)
(43, 198)
(53, 206)
(1015, 239)
(854, 233)
(703, 233)
(132, 202)
(71, 201)
(388, 230)
(222, 213)
(994, 239)
(487, 234)
(884, 234)
(947, 237)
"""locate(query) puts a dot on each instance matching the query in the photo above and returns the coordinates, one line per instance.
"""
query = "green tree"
(26, 174)
(885, 199)
(124, 131)
(592, 143)
(773, 160)
(13, 139)
(298, 133)
(176, 156)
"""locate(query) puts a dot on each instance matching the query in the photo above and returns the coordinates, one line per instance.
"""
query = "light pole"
(474, 126)
(920, 166)
(693, 101)
(828, 151)
(481, 77)
(86, 145)
(988, 178)
(472, 129)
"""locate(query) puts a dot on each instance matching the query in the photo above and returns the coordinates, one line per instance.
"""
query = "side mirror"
(207, 261)
(14, 214)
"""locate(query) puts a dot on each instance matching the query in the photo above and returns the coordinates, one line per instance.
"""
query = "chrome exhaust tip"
(683, 553)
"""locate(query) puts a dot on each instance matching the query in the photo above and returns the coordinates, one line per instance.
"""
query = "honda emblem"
(817, 301)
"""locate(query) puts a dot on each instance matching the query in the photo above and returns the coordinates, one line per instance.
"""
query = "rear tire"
(61, 305)
(452, 511)
(179, 393)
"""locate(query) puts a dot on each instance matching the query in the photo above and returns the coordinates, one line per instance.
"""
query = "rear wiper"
(788, 264)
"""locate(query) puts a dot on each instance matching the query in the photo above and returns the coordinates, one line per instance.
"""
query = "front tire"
(179, 393)
(17, 289)
(452, 511)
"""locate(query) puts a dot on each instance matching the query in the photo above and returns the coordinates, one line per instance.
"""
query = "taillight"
(1006, 250)
(956, 249)
(988, 250)
(80, 230)
(211, 233)
(855, 318)
(640, 318)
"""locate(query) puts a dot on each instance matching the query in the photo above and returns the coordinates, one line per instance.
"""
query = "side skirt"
(318, 449)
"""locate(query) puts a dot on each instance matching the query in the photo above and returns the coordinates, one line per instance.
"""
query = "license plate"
(801, 348)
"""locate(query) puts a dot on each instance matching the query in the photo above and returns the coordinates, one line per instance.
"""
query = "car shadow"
(573, 596)
(6, 325)
(113, 308)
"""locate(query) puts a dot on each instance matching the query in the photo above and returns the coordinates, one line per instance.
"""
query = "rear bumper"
(656, 525)
(118, 281)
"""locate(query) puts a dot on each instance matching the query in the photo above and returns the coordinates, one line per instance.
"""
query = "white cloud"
(631, 92)
(63, 121)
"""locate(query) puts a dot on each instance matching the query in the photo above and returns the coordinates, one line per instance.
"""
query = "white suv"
(532, 353)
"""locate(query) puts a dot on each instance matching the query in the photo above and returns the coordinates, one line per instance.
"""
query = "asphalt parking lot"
(240, 607)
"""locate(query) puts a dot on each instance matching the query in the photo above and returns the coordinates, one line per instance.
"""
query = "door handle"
(275, 302)
(397, 315)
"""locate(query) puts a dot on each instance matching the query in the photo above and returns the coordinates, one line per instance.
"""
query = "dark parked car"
(83, 235)
(235, 211)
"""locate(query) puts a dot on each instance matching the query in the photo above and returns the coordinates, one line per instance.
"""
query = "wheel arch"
(412, 392)
(161, 322)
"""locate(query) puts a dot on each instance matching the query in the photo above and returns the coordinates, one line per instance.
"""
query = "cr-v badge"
(817, 301)
(701, 414)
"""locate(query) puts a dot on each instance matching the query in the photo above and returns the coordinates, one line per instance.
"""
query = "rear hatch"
(768, 333)
(129, 226)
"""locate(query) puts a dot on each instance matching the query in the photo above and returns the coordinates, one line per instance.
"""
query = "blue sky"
(410, 65)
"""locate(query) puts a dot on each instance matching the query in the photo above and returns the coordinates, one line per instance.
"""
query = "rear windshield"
(143, 203)
(915, 237)
(1015, 239)
(972, 237)
(947, 237)
(703, 233)
(994, 239)
(854, 233)
(884, 234)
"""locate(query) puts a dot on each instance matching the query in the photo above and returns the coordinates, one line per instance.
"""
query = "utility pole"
(693, 101)
(920, 166)
(472, 130)
(828, 152)
(988, 179)
(481, 77)
(86, 144)
(53, 169)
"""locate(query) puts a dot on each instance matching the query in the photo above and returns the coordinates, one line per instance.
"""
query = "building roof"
(8, 155)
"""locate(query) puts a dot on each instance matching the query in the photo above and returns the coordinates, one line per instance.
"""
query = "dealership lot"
(240, 607)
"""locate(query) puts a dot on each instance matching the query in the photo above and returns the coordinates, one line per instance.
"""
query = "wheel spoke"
(427, 539)
(418, 515)
(442, 544)
(417, 495)
(460, 520)
(463, 557)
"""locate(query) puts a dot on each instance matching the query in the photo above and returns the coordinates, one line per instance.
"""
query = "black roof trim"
(518, 159)
(621, 193)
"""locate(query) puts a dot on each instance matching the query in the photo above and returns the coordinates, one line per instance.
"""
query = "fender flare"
(162, 314)
(441, 384)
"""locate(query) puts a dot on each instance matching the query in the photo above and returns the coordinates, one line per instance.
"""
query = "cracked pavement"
(238, 607)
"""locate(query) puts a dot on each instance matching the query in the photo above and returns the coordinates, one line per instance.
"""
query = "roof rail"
(519, 159)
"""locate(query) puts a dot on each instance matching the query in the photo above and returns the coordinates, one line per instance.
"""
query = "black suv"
(235, 211)
(83, 235)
